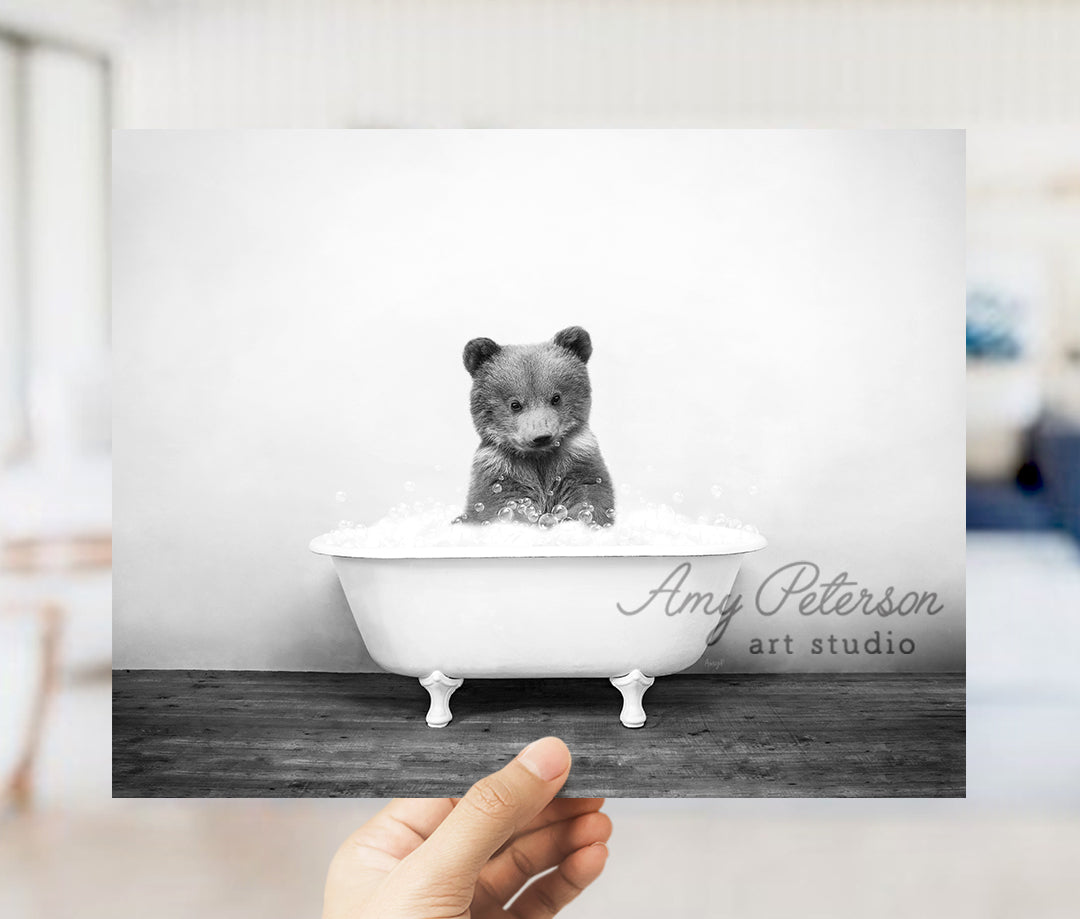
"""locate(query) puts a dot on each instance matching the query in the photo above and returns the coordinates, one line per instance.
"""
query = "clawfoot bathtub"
(630, 614)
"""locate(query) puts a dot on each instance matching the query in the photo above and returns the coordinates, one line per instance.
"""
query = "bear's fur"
(530, 405)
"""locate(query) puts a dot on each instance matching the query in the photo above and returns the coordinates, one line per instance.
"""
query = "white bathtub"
(445, 615)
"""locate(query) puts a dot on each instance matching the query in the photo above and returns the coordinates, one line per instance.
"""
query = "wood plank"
(256, 734)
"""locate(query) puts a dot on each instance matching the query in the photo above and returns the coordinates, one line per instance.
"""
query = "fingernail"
(546, 758)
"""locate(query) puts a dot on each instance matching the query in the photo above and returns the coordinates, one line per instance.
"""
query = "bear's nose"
(542, 441)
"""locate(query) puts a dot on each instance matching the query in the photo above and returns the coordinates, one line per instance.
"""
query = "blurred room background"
(71, 69)
(1023, 455)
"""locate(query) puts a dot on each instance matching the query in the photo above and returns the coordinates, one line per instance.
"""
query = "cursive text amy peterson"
(801, 583)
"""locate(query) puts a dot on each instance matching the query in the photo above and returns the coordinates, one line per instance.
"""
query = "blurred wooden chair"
(35, 559)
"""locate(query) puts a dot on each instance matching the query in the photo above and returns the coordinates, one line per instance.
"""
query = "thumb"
(492, 811)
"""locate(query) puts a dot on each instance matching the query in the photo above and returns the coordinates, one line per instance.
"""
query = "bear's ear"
(576, 340)
(477, 351)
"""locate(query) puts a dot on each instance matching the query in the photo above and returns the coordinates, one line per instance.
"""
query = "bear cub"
(530, 405)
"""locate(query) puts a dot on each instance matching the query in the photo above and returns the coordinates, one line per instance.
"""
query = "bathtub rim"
(755, 542)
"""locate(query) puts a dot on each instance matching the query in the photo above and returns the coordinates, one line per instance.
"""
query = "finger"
(402, 825)
(545, 896)
(558, 810)
(421, 815)
(378, 846)
(535, 852)
(495, 808)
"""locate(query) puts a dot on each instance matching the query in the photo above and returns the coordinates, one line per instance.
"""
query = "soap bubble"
(585, 516)
(532, 514)
(717, 491)
(496, 488)
(486, 523)
(547, 521)
(558, 443)
(611, 513)
(557, 479)
(678, 497)
(551, 491)
(341, 497)
(410, 486)
(560, 512)
(501, 478)
(506, 515)
(599, 481)
(478, 506)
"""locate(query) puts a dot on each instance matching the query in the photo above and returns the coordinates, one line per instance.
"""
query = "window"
(54, 319)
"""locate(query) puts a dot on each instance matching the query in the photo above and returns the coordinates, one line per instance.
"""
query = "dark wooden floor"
(247, 734)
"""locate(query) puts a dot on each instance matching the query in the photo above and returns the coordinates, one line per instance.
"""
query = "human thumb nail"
(547, 758)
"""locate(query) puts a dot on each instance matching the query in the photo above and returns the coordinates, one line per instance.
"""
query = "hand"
(437, 858)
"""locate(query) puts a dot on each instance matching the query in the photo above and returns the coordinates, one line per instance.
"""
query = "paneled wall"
(331, 63)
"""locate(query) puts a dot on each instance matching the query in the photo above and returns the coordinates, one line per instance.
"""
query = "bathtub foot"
(440, 687)
(632, 686)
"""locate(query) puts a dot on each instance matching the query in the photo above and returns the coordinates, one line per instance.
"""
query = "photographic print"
(428, 443)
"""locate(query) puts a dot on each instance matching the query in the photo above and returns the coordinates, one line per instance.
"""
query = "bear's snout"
(538, 429)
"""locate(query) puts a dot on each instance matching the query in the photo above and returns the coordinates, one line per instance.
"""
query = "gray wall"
(778, 313)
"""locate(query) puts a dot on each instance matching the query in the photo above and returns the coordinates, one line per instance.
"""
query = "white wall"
(779, 313)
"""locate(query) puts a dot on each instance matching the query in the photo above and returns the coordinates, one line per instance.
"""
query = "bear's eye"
(556, 399)
(515, 406)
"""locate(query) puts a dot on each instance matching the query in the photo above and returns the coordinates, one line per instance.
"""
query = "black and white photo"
(652, 440)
